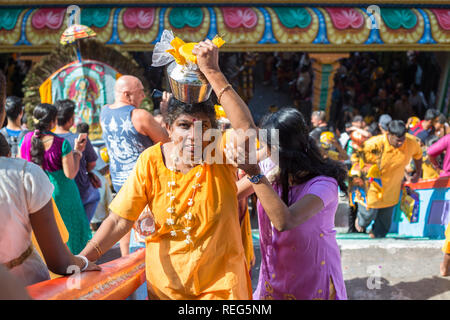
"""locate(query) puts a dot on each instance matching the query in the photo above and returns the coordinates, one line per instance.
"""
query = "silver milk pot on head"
(187, 85)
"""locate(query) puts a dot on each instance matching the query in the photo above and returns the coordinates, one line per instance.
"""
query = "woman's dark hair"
(82, 127)
(431, 114)
(300, 157)
(177, 108)
(5, 149)
(441, 118)
(397, 128)
(13, 107)
(43, 115)
(66, 110)
(431, 140)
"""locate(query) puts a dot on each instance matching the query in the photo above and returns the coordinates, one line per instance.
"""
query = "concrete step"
(393, 269)
(387, 269)
(377, 269)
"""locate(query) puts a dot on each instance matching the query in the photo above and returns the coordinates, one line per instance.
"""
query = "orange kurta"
(213, 266)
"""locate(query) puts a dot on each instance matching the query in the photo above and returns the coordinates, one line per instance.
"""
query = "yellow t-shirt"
(213, 266)
(392, 168)
(428, 170)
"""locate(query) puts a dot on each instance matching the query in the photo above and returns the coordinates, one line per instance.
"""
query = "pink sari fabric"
(52, 157)
(299, 263)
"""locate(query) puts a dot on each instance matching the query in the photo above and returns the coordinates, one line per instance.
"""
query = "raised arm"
(208, 62)
(283, 217)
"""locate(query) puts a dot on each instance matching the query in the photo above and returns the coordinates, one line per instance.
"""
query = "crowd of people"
(190, 213)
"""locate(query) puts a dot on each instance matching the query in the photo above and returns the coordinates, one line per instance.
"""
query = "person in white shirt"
(26, 206)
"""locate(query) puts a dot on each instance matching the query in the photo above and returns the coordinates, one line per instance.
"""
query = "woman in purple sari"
(297, 202)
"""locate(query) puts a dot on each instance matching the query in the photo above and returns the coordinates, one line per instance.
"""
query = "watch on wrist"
(256, 178)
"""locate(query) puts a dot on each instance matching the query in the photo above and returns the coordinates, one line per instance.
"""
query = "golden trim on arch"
(215, 2)
(312, 48)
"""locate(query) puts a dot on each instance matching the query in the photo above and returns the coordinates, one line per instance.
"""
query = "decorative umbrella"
(75, 31)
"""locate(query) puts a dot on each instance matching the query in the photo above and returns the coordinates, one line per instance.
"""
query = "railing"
(117, 280)
(442, 182)
(433, 215)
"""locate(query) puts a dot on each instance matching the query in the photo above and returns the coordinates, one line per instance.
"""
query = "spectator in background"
(425, 127)
(383, 123)
(348, 110)
(85, 180)
(358, 134)
(344, 138)
(101, 170)
(417, 101)
(13, 130)
(5, 150)
(82, 127)
(441, 126)
(402, 107)
(359, 125)
(61, 163)
(392, 152)
(412, 122)
(164, 103)
(158, 114)
(436, 149)
(318, 120)
(23, 123)
(331, 148)
(127, 132)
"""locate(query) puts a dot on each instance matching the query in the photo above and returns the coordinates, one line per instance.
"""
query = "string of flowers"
(172, 198)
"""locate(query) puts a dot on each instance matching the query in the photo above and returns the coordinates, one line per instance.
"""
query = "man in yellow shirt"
(392, 152)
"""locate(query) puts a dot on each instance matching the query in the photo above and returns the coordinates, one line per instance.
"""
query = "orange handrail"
(441, 182)
(117, 280)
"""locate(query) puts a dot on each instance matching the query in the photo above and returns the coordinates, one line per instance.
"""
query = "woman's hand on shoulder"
(241, 159)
